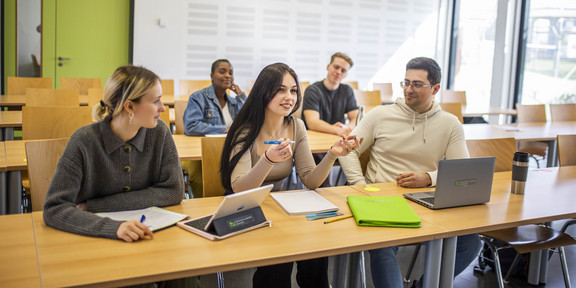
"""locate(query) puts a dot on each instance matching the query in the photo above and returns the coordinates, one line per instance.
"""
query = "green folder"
(383, 211)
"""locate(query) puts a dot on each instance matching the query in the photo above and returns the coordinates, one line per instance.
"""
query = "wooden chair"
(165, 116)
(367, 98)
(563, 112)
(179, 108)
(94, 96)
(167, 86)
(52, 97)
(18, 85)
(53, 122)
(303, 86)
(43, 157)
(454, 96)
(503, 149)
(454, 108)
(211, 155)
(82, 84)
(386, 92)
(531, 114)
(353, 84)
(566, 152)
(187, 87)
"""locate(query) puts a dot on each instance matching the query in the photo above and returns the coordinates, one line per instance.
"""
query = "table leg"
(448, 261)
(339, 275)
(8, 133)
(3, 194)
(14, 192)
(543, 267)
(534, 268)
(552, 160)
(432, 263)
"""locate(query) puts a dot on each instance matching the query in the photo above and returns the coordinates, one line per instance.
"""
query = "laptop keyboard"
(199, 223)
(428, 199)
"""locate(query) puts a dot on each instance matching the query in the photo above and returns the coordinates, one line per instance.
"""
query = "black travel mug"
(519, 172)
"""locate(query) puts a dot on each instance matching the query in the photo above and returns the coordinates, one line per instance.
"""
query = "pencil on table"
(338, 219)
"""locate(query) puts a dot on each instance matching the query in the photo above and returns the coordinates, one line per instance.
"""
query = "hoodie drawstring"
(425, 126)
(413, 120)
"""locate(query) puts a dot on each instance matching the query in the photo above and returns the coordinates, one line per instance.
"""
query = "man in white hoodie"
(407, 139)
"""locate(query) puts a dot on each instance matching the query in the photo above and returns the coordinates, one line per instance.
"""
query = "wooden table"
(20, 100)
(66, 259)
(469, 111)
(540, 131)
(18, 257)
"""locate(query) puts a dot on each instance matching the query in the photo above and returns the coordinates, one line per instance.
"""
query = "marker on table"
(277, 142)
(143, 218)
(321, 214)
(338, 219)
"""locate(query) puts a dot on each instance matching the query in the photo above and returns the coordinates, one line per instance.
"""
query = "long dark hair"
(249, 120)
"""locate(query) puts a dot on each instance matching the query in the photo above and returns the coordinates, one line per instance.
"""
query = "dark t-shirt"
(332, 105)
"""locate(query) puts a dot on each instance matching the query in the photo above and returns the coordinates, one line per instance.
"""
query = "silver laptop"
(460, 182)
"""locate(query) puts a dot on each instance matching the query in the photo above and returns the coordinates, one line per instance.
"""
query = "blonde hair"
(343, 56)
(127, 83)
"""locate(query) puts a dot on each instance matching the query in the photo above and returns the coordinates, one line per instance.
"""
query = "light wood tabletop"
(18, 257)
(66, 259)
(470, 111)
(2, 157)
(11, 119)
(20, 100)
(538, 131)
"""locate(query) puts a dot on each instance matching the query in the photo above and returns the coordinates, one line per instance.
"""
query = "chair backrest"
(94, 96)
(18, 85)
(211, 155)
(563, 112)
(167, 86)
(82, 84)
(52, 97)
(367, 98)
(566, 152)
(364, 159)
(353, 84)
(531, 113)
(386, 92)
(53, 122)
(179, 108)
(454, 96)
(503, 149)
(453, 108)
(43, 157)
(187, 87)
(303, 86)
(165, 116)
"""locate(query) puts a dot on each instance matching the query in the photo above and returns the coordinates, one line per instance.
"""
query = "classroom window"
(549, 62)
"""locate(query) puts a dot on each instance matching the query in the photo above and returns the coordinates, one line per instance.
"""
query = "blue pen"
(321, 214)
(142, 219)
(277, 142)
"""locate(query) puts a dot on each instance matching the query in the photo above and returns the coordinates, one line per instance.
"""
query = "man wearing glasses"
(407, 139)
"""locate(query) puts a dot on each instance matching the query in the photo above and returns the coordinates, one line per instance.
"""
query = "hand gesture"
(133, 230)
(413, 180)
(343, 146)
(279, 152)
(234, 87)
(341, 130)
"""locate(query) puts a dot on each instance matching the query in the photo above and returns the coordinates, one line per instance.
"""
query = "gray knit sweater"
(109, 175)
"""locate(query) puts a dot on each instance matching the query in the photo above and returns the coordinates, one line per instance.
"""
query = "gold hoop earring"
(131, 117)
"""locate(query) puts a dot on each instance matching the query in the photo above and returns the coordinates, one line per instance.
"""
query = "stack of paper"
(303, 202)
(155, 218)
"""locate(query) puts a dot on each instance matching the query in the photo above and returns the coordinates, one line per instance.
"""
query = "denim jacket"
(203, 114)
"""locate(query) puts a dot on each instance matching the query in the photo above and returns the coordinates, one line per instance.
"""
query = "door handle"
(62, 58)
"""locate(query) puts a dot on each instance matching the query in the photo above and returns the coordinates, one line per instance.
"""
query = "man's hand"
(133, 230)
(413, 180)
(341, 130)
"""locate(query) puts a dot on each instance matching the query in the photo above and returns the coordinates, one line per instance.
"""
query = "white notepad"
(303, 202)
(156, 218)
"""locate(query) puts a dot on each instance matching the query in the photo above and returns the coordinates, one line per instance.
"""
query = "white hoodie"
(403, 140)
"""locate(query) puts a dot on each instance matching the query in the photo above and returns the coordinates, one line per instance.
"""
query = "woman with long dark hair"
(247, 162)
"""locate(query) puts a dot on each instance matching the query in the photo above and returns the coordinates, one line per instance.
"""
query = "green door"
(91, 38)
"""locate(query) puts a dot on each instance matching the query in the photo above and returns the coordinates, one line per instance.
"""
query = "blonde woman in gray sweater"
(127, 160)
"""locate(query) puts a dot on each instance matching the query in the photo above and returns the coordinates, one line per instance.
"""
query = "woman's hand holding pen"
(345, 145)
(133, 230)
(279, 152)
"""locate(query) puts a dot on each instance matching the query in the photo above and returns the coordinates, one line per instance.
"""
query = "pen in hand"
(277, 142)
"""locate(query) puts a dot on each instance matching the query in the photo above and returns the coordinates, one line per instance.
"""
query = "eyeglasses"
(415, 85)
